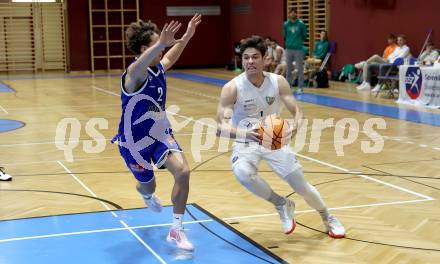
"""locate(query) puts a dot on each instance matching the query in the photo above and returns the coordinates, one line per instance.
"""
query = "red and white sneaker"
(286, 213)
(335, 229)
(178, 235)
(153, 203)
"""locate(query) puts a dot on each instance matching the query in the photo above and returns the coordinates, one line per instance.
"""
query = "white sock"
(177, 220)
(147, 196)
(308, 192)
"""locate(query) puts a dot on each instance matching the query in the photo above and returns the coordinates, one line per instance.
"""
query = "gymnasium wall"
(78, 34)
(257, 17)
(208, 47)
(360, 27)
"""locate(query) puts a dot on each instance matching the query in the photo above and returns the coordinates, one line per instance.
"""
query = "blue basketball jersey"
(155, 88)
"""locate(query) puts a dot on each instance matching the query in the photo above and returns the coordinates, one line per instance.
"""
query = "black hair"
(255, 42)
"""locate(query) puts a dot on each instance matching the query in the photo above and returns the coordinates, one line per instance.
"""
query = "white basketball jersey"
(255, 103)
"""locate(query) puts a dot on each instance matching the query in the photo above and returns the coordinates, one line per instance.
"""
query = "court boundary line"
(4, 110)
(426, 197)
(113, 213)
(186, 222)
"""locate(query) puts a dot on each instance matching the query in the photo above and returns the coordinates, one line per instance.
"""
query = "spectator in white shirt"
(429, 56)
(401, 51)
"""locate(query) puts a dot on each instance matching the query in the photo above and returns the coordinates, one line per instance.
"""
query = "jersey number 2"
(160, 91)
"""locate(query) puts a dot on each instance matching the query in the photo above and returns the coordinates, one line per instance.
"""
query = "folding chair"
(391, 77)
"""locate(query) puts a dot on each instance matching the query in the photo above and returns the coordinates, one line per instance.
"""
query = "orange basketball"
(271, 130)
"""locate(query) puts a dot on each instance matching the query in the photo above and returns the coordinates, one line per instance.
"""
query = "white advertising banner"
(419, 86)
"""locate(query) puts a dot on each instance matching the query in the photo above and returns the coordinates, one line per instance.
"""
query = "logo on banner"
(413, 82)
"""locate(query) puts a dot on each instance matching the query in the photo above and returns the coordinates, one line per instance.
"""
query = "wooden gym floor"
(390, 206)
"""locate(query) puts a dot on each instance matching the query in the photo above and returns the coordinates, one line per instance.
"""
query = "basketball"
(271, 130)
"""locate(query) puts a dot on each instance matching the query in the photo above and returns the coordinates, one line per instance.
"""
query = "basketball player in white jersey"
(247, 99)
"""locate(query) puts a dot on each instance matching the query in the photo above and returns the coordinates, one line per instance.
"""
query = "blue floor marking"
(347, 104)
(120, 246)
(9, 125)
(4, 88)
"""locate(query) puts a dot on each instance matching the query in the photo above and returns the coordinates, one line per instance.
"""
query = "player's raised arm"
(174, 53)
(136, 72)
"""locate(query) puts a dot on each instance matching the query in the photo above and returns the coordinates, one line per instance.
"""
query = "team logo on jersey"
(413, 82)
(270, 100)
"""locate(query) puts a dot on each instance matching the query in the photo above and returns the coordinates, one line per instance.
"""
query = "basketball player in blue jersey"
(246, 100)
(145, 134)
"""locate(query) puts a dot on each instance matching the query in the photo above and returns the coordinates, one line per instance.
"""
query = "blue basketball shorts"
(155, 154)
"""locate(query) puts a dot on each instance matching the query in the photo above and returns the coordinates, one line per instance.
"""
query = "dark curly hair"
(255, 42)
(138, 34)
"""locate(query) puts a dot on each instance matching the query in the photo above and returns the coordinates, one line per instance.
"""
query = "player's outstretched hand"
(192, 25)
(166, 38)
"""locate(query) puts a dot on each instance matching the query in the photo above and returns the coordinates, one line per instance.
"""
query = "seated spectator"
(281, 68)
(236, 61)
(320, 50)
(276, 55)
(383, 63)
(429, 56)
(268, 57)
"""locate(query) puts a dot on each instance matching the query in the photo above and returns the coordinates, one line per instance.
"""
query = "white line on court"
(367, 177)
(196, 93)
(81, 140)
(331, 209)
(105, 91)
(203, 221)
(3, 109)
(85, 187)
(143, 242)
(97, 231)
(114, 214)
